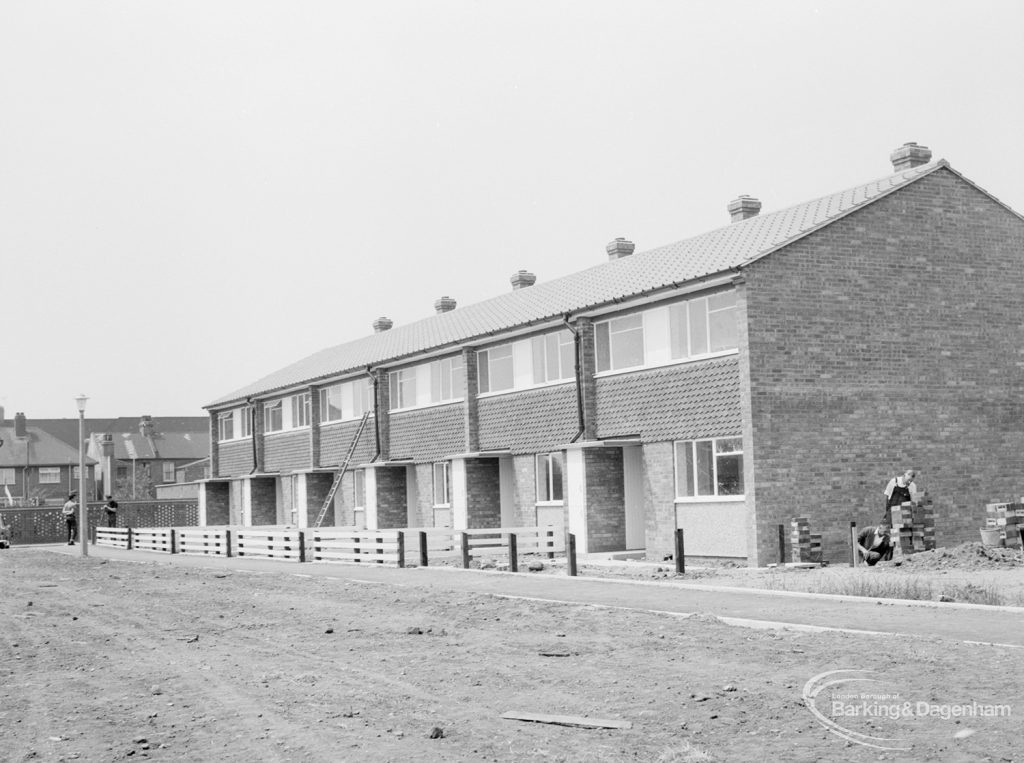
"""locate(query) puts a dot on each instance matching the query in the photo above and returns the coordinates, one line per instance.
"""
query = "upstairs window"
(554, 357)
(447, 380)
(703, 325)
(245, 421)
(549, 477)
(349, 400)
(273, 416)
(442, 495)
(300, 410)
(620, 342)
(495, 370)
(709, 467)
(226, 426)
(402, 386)
(330, 403)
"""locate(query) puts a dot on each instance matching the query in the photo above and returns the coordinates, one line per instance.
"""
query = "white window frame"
(244, 421)
(549, 486)
(558, 349)
(447, 380)
(326, 394)
(487, 360)
(49, 475)
(681, 488)
(301, 410)
(225, 426)
(8, 475)
(269, 409)
(606, 333)
(402, 388)
(164, 469)
(442, 469)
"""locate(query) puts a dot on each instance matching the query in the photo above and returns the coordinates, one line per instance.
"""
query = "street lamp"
(83, 503)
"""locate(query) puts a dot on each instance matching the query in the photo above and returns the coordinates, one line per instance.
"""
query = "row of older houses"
(784, 365)
(126, 457)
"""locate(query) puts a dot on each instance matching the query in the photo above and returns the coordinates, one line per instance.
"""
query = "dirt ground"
(106, 660)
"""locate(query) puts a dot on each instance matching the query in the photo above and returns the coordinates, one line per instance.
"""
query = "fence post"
(465, 550)
(680, 554)
(570, 553)
(782, 545)
(853, 544)
(227, 542)
(174, 541)
(129, 539)
(401, 549)
(423, 548)
(550, 535)
(513, 553)
(302, 546)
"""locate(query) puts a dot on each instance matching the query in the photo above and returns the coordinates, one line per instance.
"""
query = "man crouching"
(875, 544)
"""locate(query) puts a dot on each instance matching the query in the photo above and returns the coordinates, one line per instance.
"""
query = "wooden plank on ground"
(567, 720)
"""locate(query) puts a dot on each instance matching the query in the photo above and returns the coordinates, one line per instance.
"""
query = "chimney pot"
(908, 156)
(619, 248)
(20, 429)
(743, 208)
(382, 324)
(444, 305)
(522, 279)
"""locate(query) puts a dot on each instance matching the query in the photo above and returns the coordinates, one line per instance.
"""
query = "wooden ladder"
(341, 472)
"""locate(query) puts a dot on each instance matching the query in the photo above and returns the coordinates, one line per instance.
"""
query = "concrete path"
(740, 606)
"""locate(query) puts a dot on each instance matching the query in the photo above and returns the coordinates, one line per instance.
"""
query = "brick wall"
(659, 499)
(890, 339)
(263, 493)
(606, 513)
(483, 492)
(391, 497)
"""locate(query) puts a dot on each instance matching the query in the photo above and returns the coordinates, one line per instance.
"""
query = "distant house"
(36, 466)
(137, 455)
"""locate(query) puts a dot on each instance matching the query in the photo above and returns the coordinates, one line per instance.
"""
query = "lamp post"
(83, 503)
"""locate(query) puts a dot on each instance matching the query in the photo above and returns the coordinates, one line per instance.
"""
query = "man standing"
(875, 544)
(70, 512)
(899, 490)
(111, 509)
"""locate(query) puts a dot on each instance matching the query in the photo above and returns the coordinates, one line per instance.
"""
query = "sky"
(196, 193)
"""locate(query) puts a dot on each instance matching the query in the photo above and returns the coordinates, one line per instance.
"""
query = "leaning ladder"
(341, 472)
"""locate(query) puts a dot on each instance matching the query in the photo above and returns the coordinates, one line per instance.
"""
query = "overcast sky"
(196, 193)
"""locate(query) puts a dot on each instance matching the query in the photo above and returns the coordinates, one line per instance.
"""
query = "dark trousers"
(111, 519)
(72, 529)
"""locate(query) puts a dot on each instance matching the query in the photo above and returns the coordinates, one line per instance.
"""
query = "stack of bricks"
(1008, 518)
(805, 546)
(915, 524)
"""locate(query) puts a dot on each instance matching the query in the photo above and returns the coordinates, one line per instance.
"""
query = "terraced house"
(784, 365)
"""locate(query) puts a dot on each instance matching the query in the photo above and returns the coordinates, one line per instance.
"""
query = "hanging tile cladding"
(235, 458)
(682, 402)
(336, 439)
(529, 422)
(430, 434)
(282, 452)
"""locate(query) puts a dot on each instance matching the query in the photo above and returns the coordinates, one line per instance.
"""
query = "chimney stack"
(20, 429)
(444, 305)
(382, 324)
(743, 208)
(619, 248)
(908, 156)
(146, 426)
(522, 279)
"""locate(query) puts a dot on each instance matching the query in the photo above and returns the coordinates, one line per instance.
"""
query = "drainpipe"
(376, 412)
(252, 434)
(579, 379)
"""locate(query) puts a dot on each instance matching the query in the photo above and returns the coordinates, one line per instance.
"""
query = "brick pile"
(1008, 518)
(914, 524)
(805, 546)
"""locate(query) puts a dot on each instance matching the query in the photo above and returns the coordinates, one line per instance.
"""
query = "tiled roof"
(37, 448)
(717, 251)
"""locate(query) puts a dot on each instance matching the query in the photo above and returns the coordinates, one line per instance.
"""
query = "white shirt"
(899, 481)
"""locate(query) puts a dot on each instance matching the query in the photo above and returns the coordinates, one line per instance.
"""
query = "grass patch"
(874, 586)
(686, 752)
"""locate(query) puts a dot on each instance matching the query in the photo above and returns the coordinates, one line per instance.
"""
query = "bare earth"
(110, 660)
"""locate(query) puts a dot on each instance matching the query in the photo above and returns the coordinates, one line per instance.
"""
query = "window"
(549, 477)
(75, 471)
(168, 475)
(7, 476)
(554, 357)
(402, 387)
(495, 369)
(703, 325)
(441, 484)
(273, 420)
(362, 397)
(359, 489)
(245, 421)
(300, 410)
(709, 467)
(49, 475)
(447, 380)
(620, 342)
(330, 403)
(226, 426)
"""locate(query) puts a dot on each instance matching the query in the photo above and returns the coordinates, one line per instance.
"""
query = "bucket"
(990, 537)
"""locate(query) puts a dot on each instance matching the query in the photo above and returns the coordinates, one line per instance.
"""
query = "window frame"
(446, 495)
(546, 493)
(556, 344)
(486, 363)
(301, 410)
(682, 482)
(605, 333)
(52, 474)
(173, 470)
(270, 408)
(225, 421)
(447, 372)
(11, 472)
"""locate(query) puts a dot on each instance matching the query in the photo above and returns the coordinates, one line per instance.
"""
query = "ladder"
(340, 473)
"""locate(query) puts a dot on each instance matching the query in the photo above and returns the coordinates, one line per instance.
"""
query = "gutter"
(376, 412)
(252, 434)
(579, 379)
